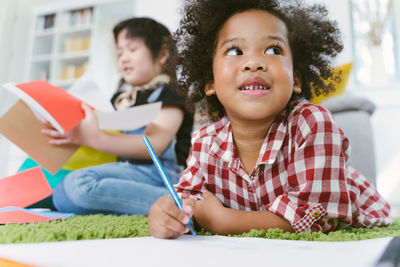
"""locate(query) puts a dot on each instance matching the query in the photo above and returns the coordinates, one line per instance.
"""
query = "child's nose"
(123, 57)
(254, 65)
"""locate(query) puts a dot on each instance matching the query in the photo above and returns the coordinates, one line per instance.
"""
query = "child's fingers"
(52, 133)
(45, 122)
(64, 141)
(188, 206)
(163, 219)
(158, 230)
(172, 228)
(170, 208)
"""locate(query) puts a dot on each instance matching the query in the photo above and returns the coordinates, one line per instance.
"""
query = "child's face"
(134, 60)
(253, 52)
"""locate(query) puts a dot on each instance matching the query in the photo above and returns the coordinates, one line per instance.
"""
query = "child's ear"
(297, 82)
(163, 57)
(209, 89)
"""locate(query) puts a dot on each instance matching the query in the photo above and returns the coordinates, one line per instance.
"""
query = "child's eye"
(234, 51)
(274, 50)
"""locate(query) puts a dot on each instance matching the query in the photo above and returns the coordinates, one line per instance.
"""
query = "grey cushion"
(348, 102)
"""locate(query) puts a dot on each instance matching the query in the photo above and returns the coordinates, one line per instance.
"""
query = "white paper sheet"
(129, 119)
(87, 90)
(189, 251)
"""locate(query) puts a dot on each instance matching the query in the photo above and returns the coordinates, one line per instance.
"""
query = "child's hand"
(209, 212)
(166, 220)
(82, 134)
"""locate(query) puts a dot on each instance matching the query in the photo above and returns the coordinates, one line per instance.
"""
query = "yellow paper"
(339, 86)
(86, 156)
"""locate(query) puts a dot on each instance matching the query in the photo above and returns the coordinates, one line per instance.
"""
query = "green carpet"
(111, 226)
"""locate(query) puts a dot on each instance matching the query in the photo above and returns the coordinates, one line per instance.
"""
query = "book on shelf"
(46, 22)
(77, 44)
(71, 71)
(78, 18)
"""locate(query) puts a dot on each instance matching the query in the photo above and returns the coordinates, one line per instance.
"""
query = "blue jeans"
(115, 188)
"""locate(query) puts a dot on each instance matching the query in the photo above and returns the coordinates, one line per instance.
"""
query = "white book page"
(37, 109)
(89, 92)
(129, 119)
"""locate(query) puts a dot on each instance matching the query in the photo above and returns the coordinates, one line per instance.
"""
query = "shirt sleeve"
(317, 196)
(170, 97)
(192, 182)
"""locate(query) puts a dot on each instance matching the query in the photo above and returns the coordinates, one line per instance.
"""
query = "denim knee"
(61, 200)
(63, 203)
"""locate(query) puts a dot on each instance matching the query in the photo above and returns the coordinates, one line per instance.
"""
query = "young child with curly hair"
(269, 159)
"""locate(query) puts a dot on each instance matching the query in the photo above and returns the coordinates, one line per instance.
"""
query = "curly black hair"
(314, 41)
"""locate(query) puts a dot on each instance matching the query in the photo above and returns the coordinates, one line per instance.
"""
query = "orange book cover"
(50, 103)
(20, 126)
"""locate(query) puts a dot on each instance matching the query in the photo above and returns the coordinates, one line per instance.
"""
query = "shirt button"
(316, 213)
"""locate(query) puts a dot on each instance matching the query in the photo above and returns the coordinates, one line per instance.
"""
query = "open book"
(51, 103)
(41, 100)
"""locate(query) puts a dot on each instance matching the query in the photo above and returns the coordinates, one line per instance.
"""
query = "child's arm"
(160, 132)
(214, 217)
(166, 220)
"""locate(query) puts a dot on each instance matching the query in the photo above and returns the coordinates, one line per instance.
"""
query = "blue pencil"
(166, 180)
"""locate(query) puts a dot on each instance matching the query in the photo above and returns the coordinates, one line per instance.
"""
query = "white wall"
(165, 11)
(339, 10)
(15, 15)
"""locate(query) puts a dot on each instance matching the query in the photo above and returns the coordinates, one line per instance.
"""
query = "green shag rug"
(111, 226)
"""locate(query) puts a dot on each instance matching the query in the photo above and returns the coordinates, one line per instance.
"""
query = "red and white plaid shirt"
(301, 173)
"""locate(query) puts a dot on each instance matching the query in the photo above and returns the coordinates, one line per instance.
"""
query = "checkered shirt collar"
(223, 147)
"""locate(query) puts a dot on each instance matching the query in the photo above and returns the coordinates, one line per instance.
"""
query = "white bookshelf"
(70, 39)
(47, 53)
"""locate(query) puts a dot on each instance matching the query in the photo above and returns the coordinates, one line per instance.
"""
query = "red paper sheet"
(63, 107)
(21, 216)
(24, 188)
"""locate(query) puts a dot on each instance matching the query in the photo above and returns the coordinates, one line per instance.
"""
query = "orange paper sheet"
(63, 107)
(24, 188)
(11, 263)
(21, 216)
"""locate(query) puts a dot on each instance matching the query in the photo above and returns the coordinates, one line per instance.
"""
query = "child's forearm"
(213, 216)
(160, 133)
(237, 221)
(122, 145)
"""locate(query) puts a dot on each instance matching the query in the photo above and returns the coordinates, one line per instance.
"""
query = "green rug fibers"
(111, 226)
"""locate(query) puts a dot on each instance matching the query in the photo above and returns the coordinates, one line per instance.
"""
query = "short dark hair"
(314, 41)
(155, 35)
(152, 32)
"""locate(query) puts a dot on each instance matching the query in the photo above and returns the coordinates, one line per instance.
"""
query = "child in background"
(131, 185)
(269, 160)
